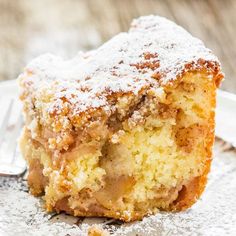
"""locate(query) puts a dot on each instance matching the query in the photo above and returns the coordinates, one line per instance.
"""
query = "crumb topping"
(152, 55)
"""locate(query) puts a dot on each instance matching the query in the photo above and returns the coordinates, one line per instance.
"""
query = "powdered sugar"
(122, 65)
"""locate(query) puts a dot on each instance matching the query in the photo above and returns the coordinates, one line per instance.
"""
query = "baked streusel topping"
(153, 54)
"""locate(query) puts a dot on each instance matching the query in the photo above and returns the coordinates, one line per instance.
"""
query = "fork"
(11, 162)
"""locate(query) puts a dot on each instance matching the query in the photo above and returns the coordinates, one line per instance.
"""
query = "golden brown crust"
(191, 193)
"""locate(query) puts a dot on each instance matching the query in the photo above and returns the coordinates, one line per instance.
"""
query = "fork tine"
(13, 164)
(14, 136)
(5, 121)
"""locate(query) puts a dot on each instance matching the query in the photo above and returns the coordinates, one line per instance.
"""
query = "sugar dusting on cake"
(152, 54)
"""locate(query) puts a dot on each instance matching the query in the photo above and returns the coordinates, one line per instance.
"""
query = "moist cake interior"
(149, 155)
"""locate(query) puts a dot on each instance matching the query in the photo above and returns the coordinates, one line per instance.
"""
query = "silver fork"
(11, 162)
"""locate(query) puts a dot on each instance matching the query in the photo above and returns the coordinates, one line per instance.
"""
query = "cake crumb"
(96, 230)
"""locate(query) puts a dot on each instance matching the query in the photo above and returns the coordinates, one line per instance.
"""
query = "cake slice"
(125, 130)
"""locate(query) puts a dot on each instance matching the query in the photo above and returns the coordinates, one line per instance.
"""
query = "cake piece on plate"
(125, 130)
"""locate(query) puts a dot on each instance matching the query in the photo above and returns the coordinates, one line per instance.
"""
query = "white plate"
(226, 117)
(214, 214)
